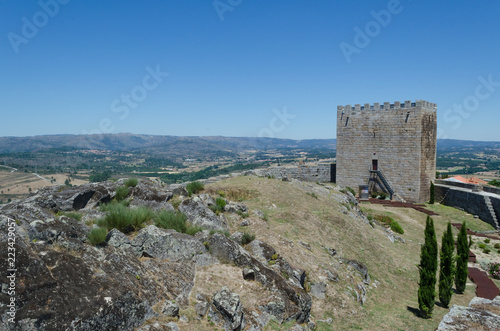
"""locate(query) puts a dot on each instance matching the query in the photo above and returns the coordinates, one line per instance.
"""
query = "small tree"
(462, 259)
(446, 267)
(427, 270)
(433, 196)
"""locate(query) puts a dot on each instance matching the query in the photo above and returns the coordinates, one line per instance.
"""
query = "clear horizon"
(285, 138)
(241, 68)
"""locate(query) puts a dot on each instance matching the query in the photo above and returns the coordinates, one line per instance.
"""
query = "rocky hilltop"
(147, 279)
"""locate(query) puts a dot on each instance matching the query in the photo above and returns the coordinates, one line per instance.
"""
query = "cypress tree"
(446, 267)
(427, 270)
(462, 259)
(433, 195)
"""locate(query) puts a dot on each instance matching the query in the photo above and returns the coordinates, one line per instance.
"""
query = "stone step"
(492, 211)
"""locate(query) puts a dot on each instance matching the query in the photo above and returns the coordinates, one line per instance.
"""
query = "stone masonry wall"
(306, 172)
(471, 202)
(401, 136)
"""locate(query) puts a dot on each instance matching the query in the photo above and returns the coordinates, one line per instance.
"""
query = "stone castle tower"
(391, 147)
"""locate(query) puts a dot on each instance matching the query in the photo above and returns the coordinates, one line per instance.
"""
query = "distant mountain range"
(153, 143)
(128, 142)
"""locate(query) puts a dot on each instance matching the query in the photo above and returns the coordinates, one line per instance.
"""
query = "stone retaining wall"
(471, 202)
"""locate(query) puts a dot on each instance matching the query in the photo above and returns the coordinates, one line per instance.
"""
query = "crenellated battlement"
(389, 106)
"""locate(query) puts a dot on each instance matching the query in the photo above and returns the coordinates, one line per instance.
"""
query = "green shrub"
(121, 193)
(486, 251)
(351, 190)
(175, 221)
(247, 238)
(382, 195)
(384, 219)
(140, 216)
(131, 182)
(193, 229)
(497, 246)
(487, 240)
(97, 236)
(123, 219)
(220, 203)
(119, 217)
(482, 245)
(101, 222)
(171, 220)
(373, 194)
(194, 187)
(396, 227)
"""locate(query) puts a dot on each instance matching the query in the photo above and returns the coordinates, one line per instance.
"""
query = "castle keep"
(390, 147)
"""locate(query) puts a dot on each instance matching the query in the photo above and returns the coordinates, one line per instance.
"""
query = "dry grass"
(491, 308)
(19, 183)
(294, 215)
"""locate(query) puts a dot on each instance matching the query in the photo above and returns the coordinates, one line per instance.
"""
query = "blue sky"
(241, 67)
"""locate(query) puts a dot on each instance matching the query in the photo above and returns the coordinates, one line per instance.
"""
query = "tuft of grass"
(487, 240)
(396, 227)
(218, 208)
(220, 203)
(131, 182)
(124, 219)
(193, 229)
(194, 187)
(175, 221)
(97, 236)
(384, 219)
(72, 214)
(121, 193)
(171, 220)
(141, 215)
(389, 221)
(350, 189)
(266, 215)
(247, 238)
